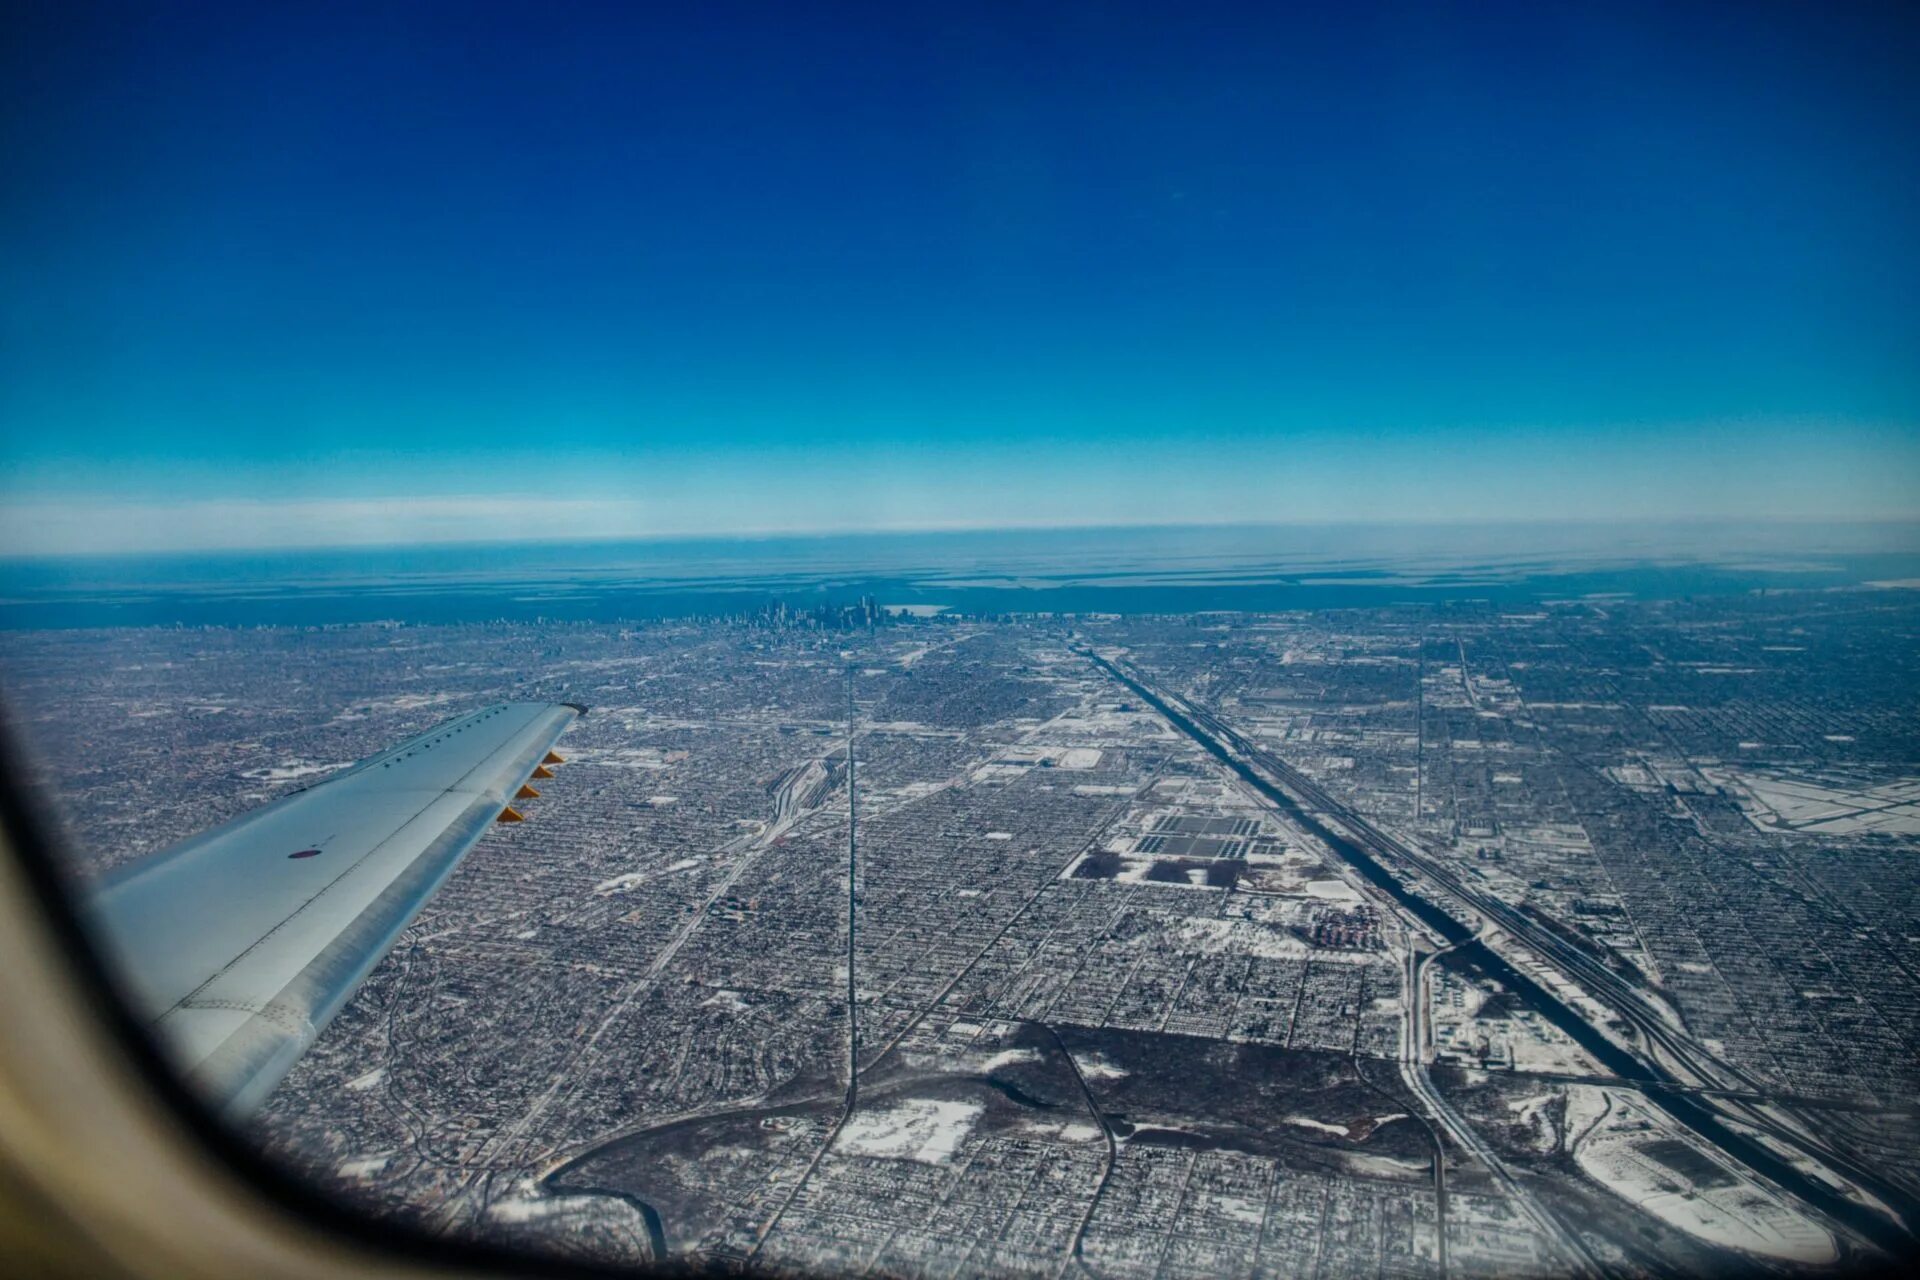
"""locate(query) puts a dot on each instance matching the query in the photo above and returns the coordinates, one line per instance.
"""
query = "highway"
(1572, 1249)
(1375, 853)
(1707, 1077)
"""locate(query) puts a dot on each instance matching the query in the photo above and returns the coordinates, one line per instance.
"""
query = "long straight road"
(1375, 855)
(851, 1101)
(1716, 1087)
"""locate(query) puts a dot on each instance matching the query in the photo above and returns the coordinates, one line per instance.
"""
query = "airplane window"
(1079, 640)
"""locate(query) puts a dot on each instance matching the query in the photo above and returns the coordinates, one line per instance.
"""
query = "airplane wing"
(241, 943)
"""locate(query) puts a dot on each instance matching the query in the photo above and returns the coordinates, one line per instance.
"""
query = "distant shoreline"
(1124, 571)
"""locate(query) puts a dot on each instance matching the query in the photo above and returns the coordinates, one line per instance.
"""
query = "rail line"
(1371, 851)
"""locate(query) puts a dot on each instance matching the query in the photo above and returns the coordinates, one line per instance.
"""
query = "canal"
(1682, 1107)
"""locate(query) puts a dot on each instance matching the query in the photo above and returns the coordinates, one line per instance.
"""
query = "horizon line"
(881, 531)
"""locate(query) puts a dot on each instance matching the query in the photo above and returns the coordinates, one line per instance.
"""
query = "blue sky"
(284, 275)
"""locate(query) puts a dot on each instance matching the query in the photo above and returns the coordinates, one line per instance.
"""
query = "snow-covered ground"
(366, 1166)
(291, 770)
(1737, 1213)
(929, 1130)
(649, 758)
(1333, 890)
(1008, 1058)
(1319, 1126)
(628, 880)
(1825, 806)
(1095, 1067)
(370, 1080)
(1211, 935)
